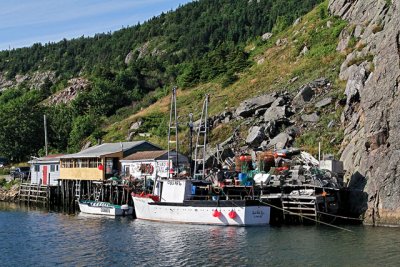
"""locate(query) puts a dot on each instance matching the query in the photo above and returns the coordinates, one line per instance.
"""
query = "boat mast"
(173, 129)
(200, 150)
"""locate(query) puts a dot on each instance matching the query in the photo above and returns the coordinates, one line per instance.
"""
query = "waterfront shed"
(100, 162)
(152, 164)
(45, 170)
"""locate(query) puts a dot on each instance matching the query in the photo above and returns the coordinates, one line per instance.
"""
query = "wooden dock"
(34, 193)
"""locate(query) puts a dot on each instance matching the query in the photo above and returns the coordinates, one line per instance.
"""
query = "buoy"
(232, 214)
(100, 167)
(216, 213)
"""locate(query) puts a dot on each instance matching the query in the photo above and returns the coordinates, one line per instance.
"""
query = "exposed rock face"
(266, 36)
(371, 148)
(65, 96)
(9, 195)
(4, 83)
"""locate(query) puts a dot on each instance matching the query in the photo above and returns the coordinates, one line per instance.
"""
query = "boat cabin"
(45, 170)
(100, 162)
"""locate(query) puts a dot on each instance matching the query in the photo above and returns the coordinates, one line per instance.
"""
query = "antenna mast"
(173, 129)
(200, 150)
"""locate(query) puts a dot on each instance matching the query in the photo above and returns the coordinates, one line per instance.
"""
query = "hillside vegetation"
(274, 64)
(203, 47)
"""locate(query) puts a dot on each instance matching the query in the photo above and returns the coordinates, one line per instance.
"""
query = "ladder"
(78, 189)
(201, 142)
(173, 129)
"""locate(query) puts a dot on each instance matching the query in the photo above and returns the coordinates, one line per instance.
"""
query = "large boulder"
(275, 113)
(248, 107)
(256, 136)
(280, 141)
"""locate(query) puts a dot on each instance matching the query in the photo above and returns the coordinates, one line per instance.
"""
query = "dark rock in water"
(248, 107)
(256, 136)
(313, 117)
(324, 102)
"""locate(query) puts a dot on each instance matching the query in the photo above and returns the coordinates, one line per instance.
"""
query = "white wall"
(52, 177)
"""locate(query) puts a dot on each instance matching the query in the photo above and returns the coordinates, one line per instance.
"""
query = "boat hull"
(202, 213)
(110, 210)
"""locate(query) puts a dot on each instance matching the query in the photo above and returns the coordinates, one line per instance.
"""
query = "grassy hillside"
(280, 63)
(204, 47)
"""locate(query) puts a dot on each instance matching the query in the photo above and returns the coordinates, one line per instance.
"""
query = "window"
(37, 168)
(52, 168)
(57, 167)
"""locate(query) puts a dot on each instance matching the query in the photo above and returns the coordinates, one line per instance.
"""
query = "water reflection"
(36, 237)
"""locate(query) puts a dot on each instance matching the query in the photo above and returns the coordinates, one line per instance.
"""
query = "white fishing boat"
(104, 208)
(173, 201)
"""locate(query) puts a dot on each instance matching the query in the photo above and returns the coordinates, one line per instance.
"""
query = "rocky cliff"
(371, 148)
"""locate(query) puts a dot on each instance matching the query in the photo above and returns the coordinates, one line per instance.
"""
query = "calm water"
(39, 238)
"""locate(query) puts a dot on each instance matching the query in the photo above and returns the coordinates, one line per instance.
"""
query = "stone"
(275, 113)
(248, 107)
(136, 125)
(305, 95)
(266, 36)
(331, 124)
(280, 141)
(313, 117)
(270, 129)
(294, 79)
(129, 57)
(304, 51)
(324, 102)
(297, 21)
(255, 136)
(329, 24)
(358, 31)
(344, 39)
(355, 84)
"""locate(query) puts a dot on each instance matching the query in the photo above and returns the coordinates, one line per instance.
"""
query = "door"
(44, 179)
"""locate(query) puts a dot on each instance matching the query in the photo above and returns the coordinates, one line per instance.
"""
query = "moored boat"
(104, 208)
(173, 201)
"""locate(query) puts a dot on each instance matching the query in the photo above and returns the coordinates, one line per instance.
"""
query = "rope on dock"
(341, 217)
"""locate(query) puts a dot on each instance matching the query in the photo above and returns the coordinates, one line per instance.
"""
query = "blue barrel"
(193, 190)
(242, 177)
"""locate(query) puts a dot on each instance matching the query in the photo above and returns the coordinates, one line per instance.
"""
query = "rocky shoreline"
(10, 195)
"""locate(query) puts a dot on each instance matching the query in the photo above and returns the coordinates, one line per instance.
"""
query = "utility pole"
(190, 142)
(45, 134)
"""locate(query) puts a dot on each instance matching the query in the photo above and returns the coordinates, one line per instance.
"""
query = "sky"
(25, 22)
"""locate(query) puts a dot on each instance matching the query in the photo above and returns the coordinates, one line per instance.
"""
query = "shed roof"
(146, 155)
(155, 155)
(104, 149)
(48, 158)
